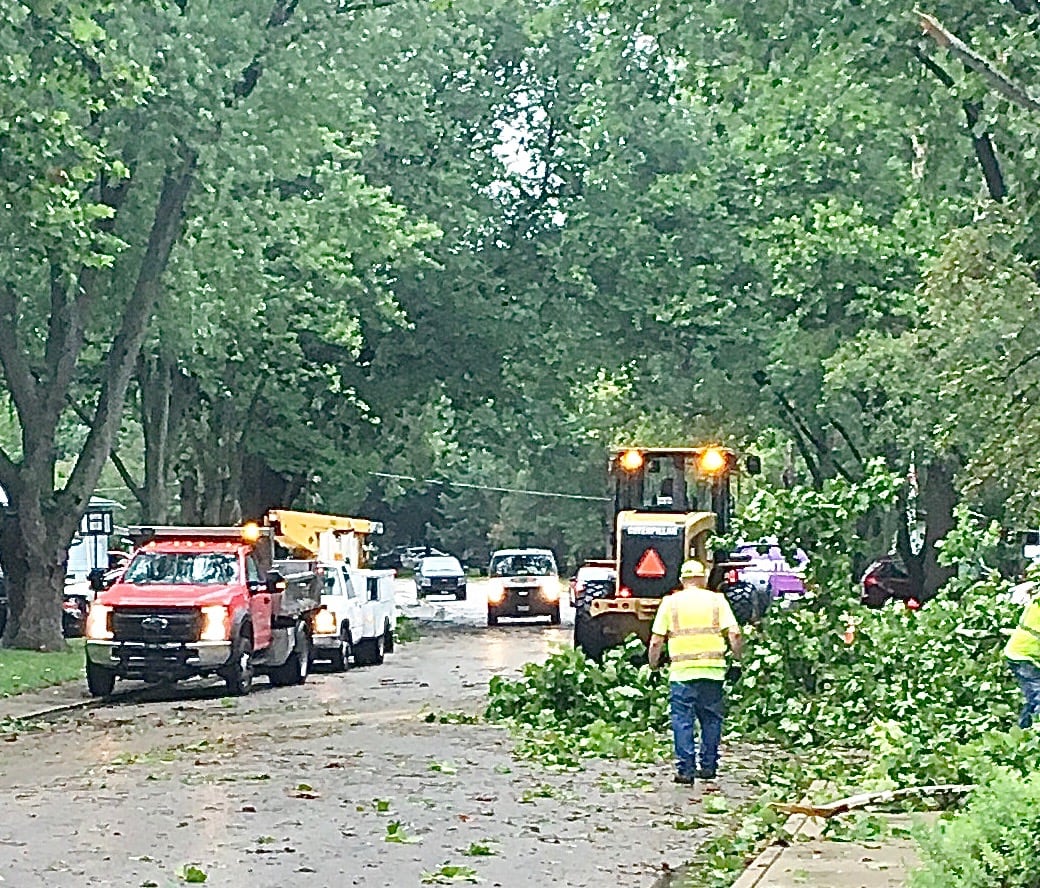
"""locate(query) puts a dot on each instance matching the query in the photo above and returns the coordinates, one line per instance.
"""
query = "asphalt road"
(306, 785)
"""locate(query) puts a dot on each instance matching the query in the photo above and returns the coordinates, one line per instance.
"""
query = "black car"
(440, 575)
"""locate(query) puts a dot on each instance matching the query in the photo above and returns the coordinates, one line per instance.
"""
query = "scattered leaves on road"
(395, 832)
(450, 873)
(305, 791)
(191, 874)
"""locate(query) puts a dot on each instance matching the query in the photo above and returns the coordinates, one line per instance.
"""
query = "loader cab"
(674, 480)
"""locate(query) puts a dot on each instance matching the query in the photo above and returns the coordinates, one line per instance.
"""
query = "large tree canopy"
(258, 250)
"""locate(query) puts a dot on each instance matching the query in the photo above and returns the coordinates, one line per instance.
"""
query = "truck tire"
(588, 636)
(101, 680)
(388, 639)
(294, 671)
(492, 618)
(341, 656)
(554, 617)
(369, 651)
(238, 674)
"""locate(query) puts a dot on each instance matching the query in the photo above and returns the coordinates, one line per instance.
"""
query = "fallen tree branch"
(863, 799)
(981, 65)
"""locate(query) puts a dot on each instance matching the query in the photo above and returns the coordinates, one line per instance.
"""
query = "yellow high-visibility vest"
(1024, 643)
(694, 620)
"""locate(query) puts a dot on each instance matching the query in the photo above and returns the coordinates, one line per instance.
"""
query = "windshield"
(429, 564)
(182, 568)
(528, 564)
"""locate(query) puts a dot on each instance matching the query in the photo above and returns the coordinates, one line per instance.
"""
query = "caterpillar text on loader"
(667, 502)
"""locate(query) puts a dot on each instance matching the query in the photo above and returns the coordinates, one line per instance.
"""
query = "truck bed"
(302, 588)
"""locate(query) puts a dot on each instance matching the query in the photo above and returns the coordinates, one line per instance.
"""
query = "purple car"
(765, 567)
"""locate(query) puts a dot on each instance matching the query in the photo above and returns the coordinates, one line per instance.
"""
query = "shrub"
(995, 843)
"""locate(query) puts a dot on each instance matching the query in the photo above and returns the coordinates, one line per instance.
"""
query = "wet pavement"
(343, 781)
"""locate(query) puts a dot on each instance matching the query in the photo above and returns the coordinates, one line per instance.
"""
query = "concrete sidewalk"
(820, 863)
(808, 860)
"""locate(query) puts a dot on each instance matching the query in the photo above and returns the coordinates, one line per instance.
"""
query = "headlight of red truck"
(216, 623)
(97, 627)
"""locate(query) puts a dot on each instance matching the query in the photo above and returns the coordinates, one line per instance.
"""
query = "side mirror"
(254, 586)
(753, 464)
(96, 579)
(275, 582)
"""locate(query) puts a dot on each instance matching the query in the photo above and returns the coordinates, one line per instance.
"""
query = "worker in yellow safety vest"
(696, 623)
(1023, 656)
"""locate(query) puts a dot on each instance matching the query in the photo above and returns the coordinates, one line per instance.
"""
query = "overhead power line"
(549, 493)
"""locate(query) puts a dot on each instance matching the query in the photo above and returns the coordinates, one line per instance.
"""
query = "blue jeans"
(1027, 674)
(700, 700)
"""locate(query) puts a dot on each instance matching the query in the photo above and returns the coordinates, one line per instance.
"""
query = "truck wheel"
(101, 681)
(341, 656)
(492, 618)
(388, 639)
(369, 651)
(554, 617)
(294, 671)
(588, 636)
(460, 595)
(238, 674)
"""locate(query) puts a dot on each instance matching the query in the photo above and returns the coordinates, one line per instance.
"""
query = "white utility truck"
(358, 613)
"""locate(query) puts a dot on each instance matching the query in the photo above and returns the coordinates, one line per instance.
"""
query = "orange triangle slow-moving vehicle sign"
(650, 566)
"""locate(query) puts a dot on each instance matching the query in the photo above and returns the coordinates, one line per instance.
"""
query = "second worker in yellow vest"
(1023, 656)
(696, 623)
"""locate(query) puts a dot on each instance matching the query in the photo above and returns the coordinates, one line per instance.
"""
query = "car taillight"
(624, 592)
(870, 581)
(732, 576)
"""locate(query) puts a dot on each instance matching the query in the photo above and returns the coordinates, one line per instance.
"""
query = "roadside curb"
(794, 826)
(75, 706)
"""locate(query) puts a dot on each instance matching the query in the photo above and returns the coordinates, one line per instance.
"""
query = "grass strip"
(22, 671)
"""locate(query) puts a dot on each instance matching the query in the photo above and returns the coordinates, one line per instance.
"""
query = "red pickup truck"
(201, 601)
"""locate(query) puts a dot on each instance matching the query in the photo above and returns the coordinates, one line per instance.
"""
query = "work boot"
(705, 774)
(684, 779)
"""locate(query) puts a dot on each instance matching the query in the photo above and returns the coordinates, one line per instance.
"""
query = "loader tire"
(588, 636)
(748, 603)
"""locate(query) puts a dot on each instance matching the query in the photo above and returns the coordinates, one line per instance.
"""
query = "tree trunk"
(164, 400)
(154, 388)
(190, 497)
(34, 563)
(938, 499)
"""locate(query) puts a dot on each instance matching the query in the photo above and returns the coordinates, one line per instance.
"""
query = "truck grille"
(157, 624)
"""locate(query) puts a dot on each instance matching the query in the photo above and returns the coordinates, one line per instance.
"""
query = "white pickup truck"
(357, 616)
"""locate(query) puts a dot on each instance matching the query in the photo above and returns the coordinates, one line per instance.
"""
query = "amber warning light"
(711, 461)
(631, 460)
